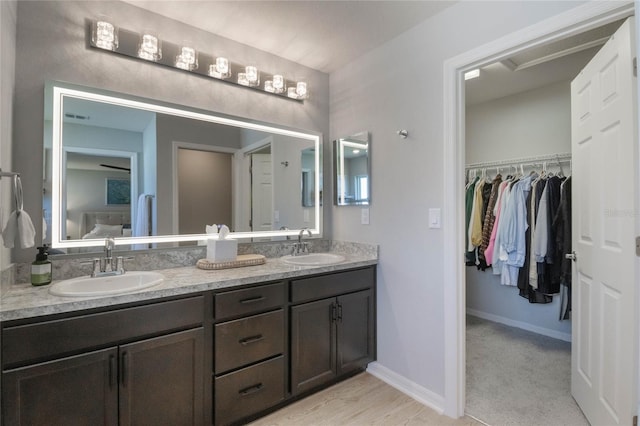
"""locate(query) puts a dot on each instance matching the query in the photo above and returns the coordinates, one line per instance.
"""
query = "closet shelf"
(551, 158)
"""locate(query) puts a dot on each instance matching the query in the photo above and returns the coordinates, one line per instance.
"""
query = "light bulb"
(220, 69)
(150, 48)
(268, 86)
(105, 35)
(301, 89)
(252, 75)
(242, 79)
(278, 83)
(187, 59)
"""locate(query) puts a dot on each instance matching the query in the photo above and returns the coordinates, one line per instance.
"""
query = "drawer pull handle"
(251, 389)
(253, 299)
(252, 339)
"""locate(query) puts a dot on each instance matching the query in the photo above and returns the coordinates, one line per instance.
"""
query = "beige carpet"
(515, 377)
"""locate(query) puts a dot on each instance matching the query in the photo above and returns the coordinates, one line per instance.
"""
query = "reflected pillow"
(101, 230)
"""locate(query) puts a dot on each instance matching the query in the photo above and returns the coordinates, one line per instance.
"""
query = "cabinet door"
(78, 390)
(162, 380)
(355, 331)
(312, 344)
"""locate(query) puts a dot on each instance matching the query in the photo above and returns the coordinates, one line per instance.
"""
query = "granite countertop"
(26, 301)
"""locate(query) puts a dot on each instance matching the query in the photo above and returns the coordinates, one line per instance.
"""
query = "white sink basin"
(313, 259)
(100, 286)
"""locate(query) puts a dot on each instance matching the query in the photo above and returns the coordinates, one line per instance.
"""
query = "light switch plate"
(435, 218)
(276, 215)
(306, 215)
(364, 216)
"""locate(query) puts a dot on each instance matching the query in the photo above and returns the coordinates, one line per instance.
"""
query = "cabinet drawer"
(248, 340)
(45, 340)
(249, 391)
(307, 289)
(246, 301)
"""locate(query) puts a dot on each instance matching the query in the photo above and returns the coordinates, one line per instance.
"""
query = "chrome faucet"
(107, 265)
(301, 247)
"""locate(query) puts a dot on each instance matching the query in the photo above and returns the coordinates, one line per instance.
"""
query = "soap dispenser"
(41, 267)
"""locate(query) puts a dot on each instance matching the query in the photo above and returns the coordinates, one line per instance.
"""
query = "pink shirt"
(488, 253)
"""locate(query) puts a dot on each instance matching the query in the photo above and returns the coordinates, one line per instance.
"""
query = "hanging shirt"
(499, 253)
(489, 251)
(469, 255)
(490, 218)
(541, 235)
(535, 202)
(475, 234)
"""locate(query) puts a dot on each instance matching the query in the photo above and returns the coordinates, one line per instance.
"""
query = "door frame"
(574, 21)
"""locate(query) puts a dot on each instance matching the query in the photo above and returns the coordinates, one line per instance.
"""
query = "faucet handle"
(95, 268)
(119, 265)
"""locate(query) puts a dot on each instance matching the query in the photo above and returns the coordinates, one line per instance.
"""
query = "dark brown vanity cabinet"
(332, 327)
(139, 365)
(250, 351)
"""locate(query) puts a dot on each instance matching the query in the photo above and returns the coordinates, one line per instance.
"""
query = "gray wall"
(51, 45)
(399, 86)
(7, 81)
(528, 124)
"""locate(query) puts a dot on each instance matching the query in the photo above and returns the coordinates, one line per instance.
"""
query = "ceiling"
(323, 35)
(538, 67)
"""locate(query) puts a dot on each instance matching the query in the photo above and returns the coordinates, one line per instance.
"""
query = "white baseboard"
(406, 386)
(519, 324)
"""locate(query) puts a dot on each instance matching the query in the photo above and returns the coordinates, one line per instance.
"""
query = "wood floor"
(360, 400)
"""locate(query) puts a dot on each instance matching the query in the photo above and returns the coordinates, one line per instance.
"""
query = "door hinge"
(638, 246)
(635, 67)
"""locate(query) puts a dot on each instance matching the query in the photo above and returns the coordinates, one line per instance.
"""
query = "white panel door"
(605, 193)
(261, 192)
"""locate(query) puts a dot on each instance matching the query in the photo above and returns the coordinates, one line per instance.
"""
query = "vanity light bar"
(150, 47)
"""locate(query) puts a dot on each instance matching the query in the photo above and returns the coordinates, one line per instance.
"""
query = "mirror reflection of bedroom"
(98, 190)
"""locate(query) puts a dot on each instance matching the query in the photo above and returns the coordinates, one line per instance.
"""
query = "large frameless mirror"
(352, 170)
(148, 173)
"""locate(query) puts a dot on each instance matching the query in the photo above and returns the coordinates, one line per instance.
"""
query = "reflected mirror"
(148, 173)
(352, 169)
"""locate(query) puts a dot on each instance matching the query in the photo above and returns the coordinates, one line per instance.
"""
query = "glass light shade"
(222, 65)
(242, 79)
(268, 86)
(291, 92)
(220, 69)
(150, 47)
(252, 75)
(104, 35)
(278, 83)
(301, 90)
(187, 59)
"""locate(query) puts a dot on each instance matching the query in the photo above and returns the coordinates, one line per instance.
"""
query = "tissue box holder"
(222, 250)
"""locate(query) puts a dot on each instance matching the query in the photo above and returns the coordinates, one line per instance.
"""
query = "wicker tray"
(241, 261)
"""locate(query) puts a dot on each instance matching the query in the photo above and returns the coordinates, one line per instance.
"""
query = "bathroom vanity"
(206, 347)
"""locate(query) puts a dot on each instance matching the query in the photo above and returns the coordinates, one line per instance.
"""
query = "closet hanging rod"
(8, 174)
(552, 158)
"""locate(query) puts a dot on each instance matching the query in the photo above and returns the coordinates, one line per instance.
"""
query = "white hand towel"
(19, 225)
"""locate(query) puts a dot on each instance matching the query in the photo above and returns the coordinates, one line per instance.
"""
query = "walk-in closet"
(517, 233)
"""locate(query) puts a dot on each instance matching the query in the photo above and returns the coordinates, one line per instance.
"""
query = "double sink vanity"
(199, 347)
(167, 343)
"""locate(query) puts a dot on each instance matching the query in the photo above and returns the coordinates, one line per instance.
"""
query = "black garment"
(525, 288)
(562, 224)
(549, 270)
